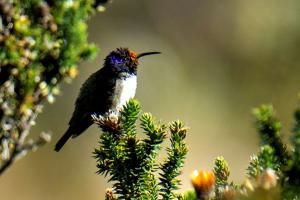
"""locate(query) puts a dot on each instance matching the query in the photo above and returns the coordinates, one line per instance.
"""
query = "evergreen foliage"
(265, 159)
(41, 43)
(273, 173)
(269, 129)
(189, 195)
(221, 171)
(171, 167)
(131, 162)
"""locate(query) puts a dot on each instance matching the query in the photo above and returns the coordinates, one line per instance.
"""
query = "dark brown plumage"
(99, 93)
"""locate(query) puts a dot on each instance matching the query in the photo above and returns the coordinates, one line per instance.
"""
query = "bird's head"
(123, 60)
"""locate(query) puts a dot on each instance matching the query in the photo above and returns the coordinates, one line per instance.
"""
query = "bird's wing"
(93, 96)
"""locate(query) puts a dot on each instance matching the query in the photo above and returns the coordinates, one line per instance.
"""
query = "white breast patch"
(124, 90)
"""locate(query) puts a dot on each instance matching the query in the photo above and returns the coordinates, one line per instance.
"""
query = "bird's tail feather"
(62, 141)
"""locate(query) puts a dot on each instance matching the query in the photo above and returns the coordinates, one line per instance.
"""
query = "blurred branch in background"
(41, 43)
(273, 173)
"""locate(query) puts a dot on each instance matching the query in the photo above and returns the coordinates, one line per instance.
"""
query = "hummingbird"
(107, 89)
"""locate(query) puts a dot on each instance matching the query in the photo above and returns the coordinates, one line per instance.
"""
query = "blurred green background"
(220, 59)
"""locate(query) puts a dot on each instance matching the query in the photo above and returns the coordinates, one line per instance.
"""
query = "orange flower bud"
(229, 193)
(267, 179)
(203, 182)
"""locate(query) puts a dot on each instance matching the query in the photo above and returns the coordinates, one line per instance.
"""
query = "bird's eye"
(117, 60)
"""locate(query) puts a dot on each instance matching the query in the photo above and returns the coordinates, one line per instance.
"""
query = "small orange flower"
(229, 193)
(203, 182)
(267, 179)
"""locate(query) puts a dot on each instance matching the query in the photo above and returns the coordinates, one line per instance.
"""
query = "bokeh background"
(220, 59)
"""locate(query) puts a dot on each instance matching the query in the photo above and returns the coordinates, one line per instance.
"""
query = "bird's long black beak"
(147, 53)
